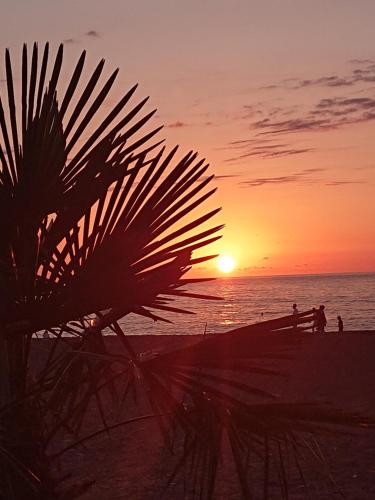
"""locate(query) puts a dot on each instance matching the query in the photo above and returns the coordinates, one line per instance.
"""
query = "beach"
(335, 369)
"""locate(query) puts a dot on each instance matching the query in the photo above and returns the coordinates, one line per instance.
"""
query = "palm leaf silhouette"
(77, 232)
(87, 222)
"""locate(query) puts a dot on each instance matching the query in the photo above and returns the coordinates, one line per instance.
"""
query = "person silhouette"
(315, 320)
(340, 324)
(321, 319)
(295, 312)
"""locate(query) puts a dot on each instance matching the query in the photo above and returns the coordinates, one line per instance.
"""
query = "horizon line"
(223, 276)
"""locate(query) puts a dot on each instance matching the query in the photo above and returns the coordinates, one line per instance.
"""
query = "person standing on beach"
(321, 319)
(315, 319)
(295, 312)
(340, 324)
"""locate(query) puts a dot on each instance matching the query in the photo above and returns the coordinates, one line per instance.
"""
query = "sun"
(226, 263)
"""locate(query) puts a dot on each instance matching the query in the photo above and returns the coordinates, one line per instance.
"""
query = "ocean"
(250, 299)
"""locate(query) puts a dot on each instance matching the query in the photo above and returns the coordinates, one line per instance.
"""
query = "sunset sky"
(278, 95)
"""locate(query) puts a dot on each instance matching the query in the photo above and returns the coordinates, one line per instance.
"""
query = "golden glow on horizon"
(226, 263)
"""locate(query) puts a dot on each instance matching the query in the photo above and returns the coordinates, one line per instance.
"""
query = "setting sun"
(226, 263)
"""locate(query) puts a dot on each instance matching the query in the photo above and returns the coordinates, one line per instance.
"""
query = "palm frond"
(86, 209)
(95, 220)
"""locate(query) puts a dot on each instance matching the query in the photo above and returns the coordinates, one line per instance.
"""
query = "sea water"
(252, 299)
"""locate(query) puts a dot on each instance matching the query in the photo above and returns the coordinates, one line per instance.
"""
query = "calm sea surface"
(245, 299)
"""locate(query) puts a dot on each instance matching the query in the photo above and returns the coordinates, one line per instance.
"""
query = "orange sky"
(278, 95)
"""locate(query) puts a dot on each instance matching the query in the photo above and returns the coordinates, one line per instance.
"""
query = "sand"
(339, 369)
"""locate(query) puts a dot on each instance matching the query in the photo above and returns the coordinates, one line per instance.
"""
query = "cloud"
(343, 183)
(302, 124)
(303, 177)
(352, 104)
(333, 109)
(325, 81)
(93, 34)
(365, 167)
(255, 268)
(262, 108)
(268, 153)
(343, 111)
(361, 61)
(262, 149)
(261, 181)
(228, 176)
(327, 114)
(177, 124)
(251, 110)
(313, 170)
(364, 74)
(270, 87)
(220, 177)
(239, 144)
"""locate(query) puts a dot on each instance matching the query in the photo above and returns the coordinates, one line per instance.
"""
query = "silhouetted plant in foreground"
(96, 222)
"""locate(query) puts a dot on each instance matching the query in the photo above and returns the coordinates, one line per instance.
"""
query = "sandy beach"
(337, 369)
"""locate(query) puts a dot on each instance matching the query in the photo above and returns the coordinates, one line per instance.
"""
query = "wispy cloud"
(261, 181)
(270, 87)
(277, 121)
(263, 149)
(327, 114)
(177, 124)
(270, 153)
(313, 170)
(365, 167)
(306, 176)
(343, 183)
(229, 176)
(302, 124)
(351, 104)
(365, 73)
(244, 142)
(326, 81)
(220, 177)
(93, 34)
(361, 61)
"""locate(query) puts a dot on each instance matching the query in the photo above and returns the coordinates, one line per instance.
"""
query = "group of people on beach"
(320, 320)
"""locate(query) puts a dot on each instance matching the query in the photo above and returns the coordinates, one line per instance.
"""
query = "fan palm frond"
(95, 219)
(76, 225)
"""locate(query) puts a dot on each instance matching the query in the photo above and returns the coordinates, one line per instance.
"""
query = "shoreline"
(201, 335)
